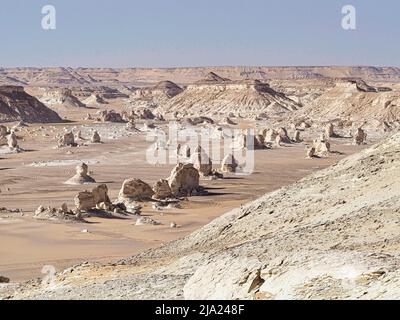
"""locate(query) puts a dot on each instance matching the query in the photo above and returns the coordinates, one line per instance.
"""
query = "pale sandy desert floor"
(29, 244)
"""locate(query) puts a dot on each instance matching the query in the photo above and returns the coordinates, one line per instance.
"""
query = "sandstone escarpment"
(17, 105)
(249, 98)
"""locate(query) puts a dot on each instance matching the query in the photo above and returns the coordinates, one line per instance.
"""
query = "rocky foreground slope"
(17, 105)
(332, 235)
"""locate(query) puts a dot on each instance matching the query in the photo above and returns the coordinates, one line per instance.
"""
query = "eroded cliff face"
(249, 98)
(156, 95)
(331, 235)
(355, 101)
(90, 76)
(17, 105)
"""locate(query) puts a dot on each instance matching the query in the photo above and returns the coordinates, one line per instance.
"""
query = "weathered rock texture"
(17, 105)
(162, 190)
(87, 200)
(184, 180)
(319, 238)
(135, 190)
(81, 176)
(220, 96)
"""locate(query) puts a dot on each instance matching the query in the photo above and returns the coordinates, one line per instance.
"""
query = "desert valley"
(298, 197)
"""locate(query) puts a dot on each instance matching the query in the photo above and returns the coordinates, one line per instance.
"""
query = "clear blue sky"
(168, 33)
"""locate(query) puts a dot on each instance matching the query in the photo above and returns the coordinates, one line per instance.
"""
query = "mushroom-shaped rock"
(81, 176)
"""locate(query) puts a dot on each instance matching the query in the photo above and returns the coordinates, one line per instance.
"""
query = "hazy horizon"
(205, 66)
(179, 34)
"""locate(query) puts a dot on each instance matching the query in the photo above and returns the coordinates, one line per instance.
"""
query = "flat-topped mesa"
(167, 88)
(61, 97)
(220, 98)
(353, 101)
(155, 95)
(81, 176)
(357, 84)
(17, 105)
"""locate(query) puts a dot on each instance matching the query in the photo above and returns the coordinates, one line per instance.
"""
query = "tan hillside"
(221, 97)
(61, 97)
(355, 101)
(148, 76)
(17, 105)
(155, 95)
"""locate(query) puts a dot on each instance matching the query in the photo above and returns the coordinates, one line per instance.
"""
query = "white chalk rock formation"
(95, 137)
(87, 200)
(12, 141)
(360, 137)
(135, 190)
(229, 164)
(67, 140)
(162, 190)
(329, 133)
(184, 180)
(81, 176)
(201, 161)
(296, 136)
